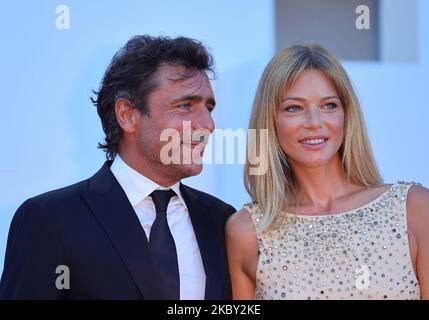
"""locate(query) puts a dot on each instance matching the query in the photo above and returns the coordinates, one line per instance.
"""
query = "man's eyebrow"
(195, 98)
(303, 99)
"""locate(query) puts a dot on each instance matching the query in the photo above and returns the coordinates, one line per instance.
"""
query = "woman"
(322, 225)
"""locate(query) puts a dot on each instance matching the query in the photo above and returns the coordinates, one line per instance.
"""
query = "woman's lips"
(314, 144)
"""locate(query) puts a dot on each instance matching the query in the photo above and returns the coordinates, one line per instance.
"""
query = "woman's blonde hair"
(273, 190)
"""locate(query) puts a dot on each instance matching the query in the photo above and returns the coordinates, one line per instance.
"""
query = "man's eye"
(293, 108)
(210, 108)
(330, 106)
(185, 106)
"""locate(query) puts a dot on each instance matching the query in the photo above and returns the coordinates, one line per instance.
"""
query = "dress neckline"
(311, 216)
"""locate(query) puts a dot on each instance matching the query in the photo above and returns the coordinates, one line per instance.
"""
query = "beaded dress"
(358, 254)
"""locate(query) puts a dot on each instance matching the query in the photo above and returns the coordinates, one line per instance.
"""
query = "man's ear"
(126, 115)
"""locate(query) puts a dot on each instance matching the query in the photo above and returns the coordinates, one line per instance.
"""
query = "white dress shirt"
(138, 188)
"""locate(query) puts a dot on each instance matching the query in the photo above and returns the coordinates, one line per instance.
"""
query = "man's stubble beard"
(151, 158)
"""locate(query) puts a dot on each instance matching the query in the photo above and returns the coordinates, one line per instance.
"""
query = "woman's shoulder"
(241, 236)
(418, 225)
(410, 191)
(417, 207)
(401, 189)
(408, 184)
(251, 207)
(245, 220)
(242, 220)
(418, 200)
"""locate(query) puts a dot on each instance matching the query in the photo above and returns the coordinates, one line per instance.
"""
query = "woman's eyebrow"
(303, 99)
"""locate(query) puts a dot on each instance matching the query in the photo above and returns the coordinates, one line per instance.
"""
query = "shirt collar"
(136, 186)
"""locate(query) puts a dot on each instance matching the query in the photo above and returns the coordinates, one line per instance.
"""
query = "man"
(133, 230)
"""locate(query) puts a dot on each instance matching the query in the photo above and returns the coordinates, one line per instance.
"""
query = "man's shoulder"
(64, 194)
(73, 192)
(59, 202)
(37, 210)
(209, 199)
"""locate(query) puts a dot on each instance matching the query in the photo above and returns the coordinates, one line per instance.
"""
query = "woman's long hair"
(273, 189)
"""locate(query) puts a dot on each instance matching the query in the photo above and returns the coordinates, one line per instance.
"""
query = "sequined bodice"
(359, 254)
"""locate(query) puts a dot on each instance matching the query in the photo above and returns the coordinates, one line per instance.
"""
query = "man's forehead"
(180, 74)
(175, 78)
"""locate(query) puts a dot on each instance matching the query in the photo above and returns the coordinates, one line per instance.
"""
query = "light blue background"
(50, 130)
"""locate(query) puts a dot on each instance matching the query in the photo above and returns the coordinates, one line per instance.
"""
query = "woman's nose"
(313, 118)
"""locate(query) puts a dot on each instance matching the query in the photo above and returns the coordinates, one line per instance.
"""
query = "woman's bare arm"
(242, 248)
(418, 221)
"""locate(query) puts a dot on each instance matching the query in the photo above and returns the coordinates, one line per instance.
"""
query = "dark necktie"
(162, 246)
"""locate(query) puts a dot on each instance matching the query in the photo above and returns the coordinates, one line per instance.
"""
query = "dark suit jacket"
(91, 228)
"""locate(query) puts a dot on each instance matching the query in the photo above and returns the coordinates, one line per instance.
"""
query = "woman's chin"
(313, 163)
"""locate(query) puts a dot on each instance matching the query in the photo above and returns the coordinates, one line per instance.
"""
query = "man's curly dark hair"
(132, 75)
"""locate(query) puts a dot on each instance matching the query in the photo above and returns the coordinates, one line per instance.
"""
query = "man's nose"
(203, 120)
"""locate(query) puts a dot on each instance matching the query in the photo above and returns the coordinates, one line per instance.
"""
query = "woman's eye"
(330, 106)
(293, 108)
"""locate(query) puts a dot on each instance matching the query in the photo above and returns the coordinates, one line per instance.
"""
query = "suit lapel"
(205, 232)
(114, 212)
